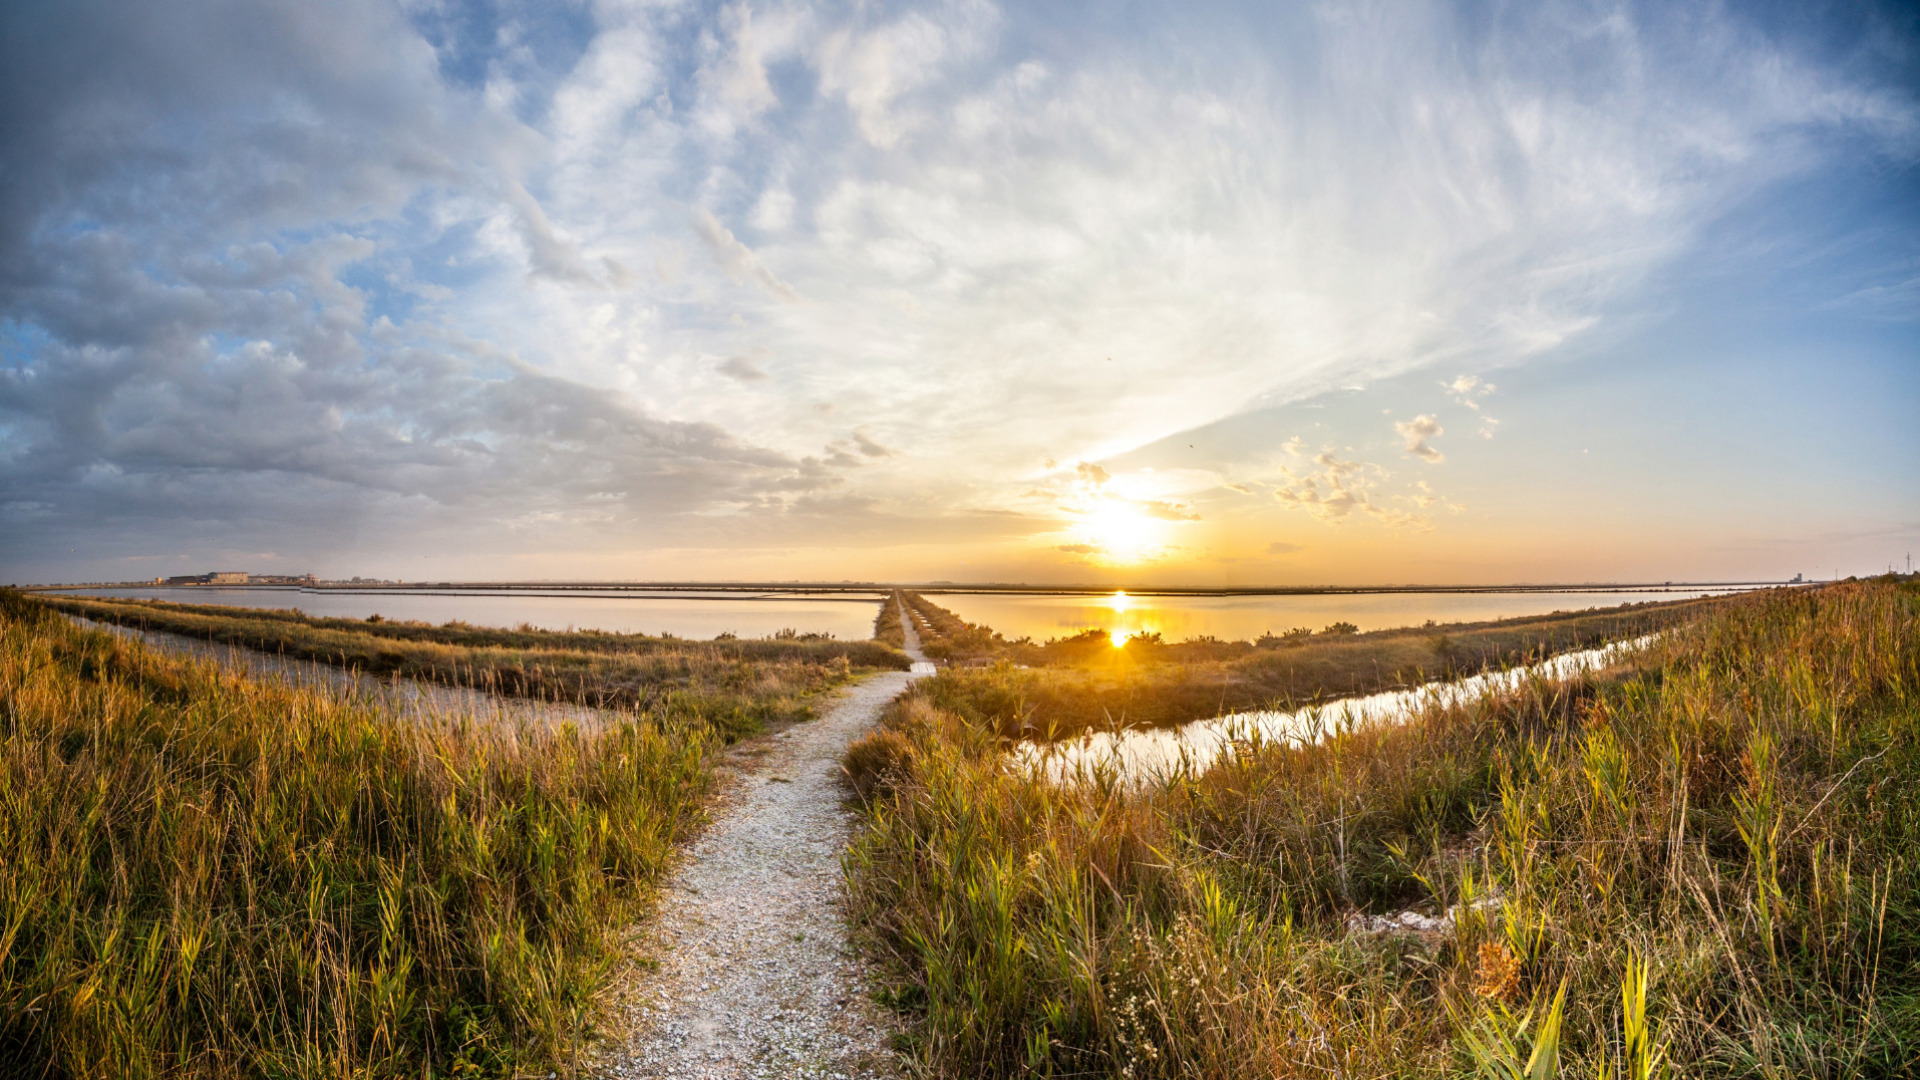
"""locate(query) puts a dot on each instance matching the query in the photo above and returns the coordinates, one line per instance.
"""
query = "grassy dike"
(732, 685)
(205, 875)
(1707, 865)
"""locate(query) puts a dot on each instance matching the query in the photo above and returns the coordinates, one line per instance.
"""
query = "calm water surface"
(849, 618)
(1244, 618)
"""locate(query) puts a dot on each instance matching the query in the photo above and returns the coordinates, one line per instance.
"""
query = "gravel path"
(756, 978)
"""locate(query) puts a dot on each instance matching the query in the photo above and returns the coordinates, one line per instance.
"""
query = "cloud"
(1340, 488)
(866, 445)
(1091, 473)
(1416, 432)
(736, 258)
(1469, 390)
(548, 255)
(1165, 511)
(871, 69)
(741, 367)
(1079, 549)
(1281, 547)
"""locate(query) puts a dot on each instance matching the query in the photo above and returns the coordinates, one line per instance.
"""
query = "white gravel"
(756, 977)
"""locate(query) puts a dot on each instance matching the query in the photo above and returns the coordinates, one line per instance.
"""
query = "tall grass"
(203, 875)
(887, 628)
(733, 685)
(1705, 865)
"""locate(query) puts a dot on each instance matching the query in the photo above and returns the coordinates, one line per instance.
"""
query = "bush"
(876, 760)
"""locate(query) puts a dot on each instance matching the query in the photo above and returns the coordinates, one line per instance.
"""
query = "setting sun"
(1123, 532)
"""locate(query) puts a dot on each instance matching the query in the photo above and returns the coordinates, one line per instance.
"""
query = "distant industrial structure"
(237, 577)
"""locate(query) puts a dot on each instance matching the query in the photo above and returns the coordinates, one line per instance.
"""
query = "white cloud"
(736, 258)
(1416, 432)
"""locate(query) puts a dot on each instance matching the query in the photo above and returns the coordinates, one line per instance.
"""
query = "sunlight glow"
(1123, 532)
(1118, 637)
(1120, 601)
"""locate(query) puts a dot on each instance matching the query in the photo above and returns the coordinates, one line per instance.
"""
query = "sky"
(1202, 293)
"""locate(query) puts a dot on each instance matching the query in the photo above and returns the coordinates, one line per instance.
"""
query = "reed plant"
(1704, 863)
(205, 875)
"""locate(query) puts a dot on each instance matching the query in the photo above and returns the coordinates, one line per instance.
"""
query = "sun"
(1123, 531)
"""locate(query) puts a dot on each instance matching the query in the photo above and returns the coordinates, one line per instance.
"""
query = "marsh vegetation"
(1702, 864)
(205, 875)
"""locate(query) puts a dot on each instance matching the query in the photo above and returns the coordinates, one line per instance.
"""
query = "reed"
(1703, 865)
(205, 875)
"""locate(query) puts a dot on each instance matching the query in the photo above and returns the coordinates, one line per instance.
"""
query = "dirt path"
(755, 977)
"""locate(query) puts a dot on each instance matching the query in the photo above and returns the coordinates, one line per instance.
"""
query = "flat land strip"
(1060, 688)
(735, 685)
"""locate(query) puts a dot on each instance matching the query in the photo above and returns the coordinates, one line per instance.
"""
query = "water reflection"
(1140, 755)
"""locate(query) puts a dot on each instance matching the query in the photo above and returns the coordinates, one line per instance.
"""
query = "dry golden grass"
(1708, 863)
(205, 875)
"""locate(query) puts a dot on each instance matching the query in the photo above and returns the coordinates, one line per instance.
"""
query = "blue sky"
(1227, 293)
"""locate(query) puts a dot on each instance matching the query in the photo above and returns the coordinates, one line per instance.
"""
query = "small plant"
(1497, 1041)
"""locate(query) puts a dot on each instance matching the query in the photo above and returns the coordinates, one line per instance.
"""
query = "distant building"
(307, 580)
(237, 577)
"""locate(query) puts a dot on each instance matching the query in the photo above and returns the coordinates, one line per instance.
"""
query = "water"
(690, 615)
(1244, 618)
(1146, 754)
(405, 698)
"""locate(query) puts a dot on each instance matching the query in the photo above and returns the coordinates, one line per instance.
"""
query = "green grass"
(1067, 686)
(1704, 865)
(205, 875)
(736, 686)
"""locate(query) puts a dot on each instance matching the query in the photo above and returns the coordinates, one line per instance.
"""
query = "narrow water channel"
(400, 697)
